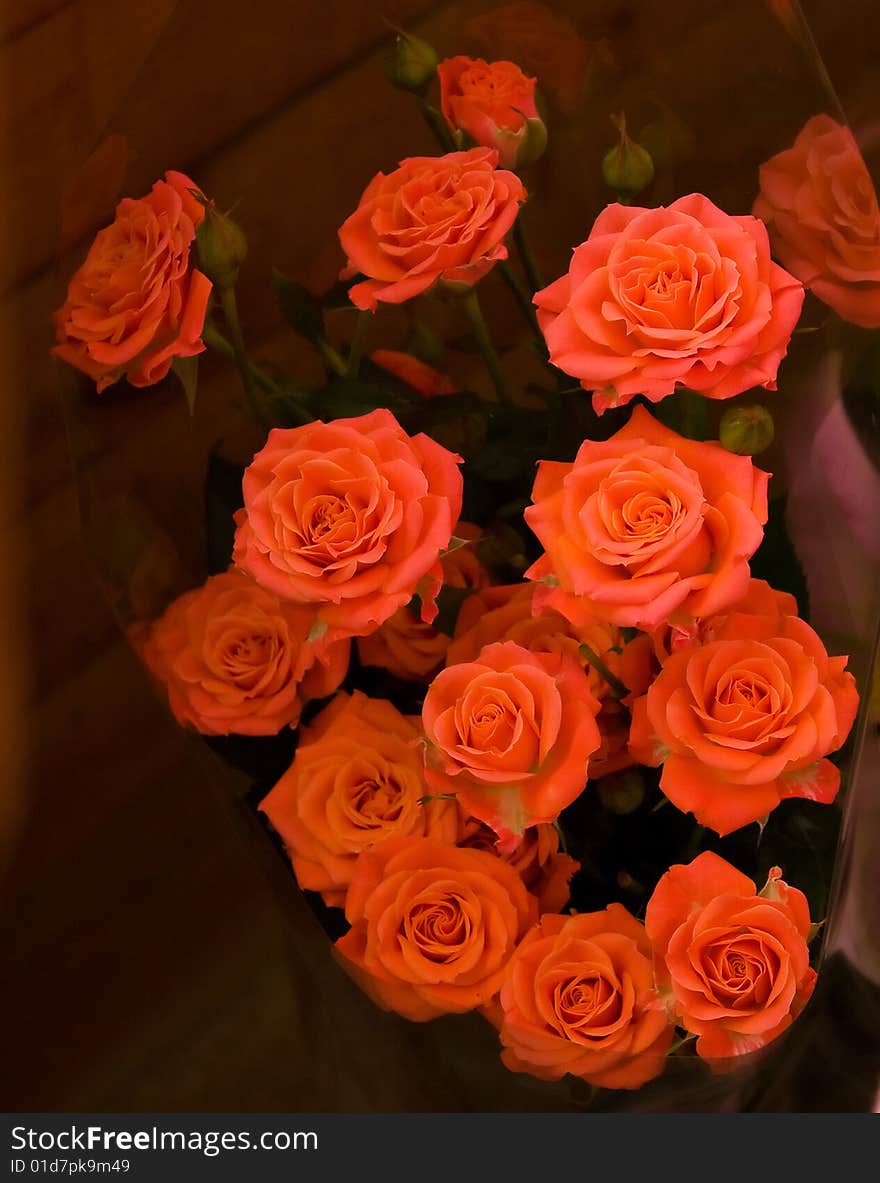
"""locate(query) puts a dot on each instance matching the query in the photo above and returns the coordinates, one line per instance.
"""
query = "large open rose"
(350, 517)
(733, 964)
(820, 206)
(435, 217)
(510, 735)
(432, 926)
(137, 301)
(682, 295)
(645, 526)
(745, 720)
(234, 659)
(579, 998)
(356, 779)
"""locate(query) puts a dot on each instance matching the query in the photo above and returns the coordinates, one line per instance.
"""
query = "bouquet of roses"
(551, 733)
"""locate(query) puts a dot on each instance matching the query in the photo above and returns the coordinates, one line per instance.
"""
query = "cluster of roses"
(637, 637)
(436, 834)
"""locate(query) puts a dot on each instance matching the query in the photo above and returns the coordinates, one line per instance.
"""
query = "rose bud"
(222, 247)
(621, 792)
(746, 430)
(627, 168)
(493, 104)
(411, 64)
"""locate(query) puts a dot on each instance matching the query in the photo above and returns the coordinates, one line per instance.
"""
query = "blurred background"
(149, 960)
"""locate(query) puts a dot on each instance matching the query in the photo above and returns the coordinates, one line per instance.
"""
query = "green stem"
(617, 688)
(530, 266)
(471, 304)
(437, 124)
(525, 302)
(215, 340)
(332, 357)
(357, 345)
(230, 312)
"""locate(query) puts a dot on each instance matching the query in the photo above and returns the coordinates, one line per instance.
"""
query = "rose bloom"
(505, 613)
(350, 517)
(744, 721)
(578, 997)
(733, 964)
(424, 379)
(356, 779)
(434, 218)
(542, 42)
(543, 867)
(137, 302)
(490, 102)
(234, 659)
(406, 646)
(760, 600)
(646, 527)
(433, 926)
(820, 206)
(510, 735)
(682, 295)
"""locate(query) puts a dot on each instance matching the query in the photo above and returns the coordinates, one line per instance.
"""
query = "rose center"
(438, 928)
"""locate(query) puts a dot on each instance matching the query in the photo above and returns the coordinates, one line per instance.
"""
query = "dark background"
(152, 955)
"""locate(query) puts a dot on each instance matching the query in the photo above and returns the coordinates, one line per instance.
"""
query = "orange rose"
(538, 861)
(505, 614)
(406, 646)
(685, 295)
(511, 735)
(234, 659)
(494, 104)
(542, 42)
(646, 527)
(734, 965)
(820, 206)
(434, 218)
(350, 517)
(760, 600)
(356, 779)
(578, 997)
(433, 926)
(743, 722)
(427, 381)
(137, 302)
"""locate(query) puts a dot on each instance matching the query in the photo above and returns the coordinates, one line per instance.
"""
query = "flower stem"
(530, 266)
(617, 688)
(357, 345)
(230, 312)
(437, 124)
(524, 300)
(471, 304)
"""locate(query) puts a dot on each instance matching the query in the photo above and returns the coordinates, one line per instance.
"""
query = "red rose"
(137, 302)
(434, 218)
(350, 517)
(646, 527)
(733, 964)
(494, 104)
(683, 295)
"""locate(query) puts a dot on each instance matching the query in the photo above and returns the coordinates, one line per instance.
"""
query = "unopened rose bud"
(746, 430)
(627, 168)
(222, 248)
(411, 63)
(533, 142)
(621, 792)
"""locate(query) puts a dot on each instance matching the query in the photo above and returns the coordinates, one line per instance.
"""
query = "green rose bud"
(411, 63)
(627, 168)
(222, 248)
(746, 430)
(621, 792)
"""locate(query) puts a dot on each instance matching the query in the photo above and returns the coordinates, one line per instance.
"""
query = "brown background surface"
(152, 957)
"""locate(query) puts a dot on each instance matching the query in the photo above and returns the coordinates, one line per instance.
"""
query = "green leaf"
(345, 398)
(187, 371)
(302, 310)
(223, 496)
